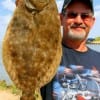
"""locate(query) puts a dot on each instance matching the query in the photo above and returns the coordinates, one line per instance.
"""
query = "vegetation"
(11, 88)
(94, 40)
(97, 38)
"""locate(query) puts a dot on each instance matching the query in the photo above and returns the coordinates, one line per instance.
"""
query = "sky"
(7, 7)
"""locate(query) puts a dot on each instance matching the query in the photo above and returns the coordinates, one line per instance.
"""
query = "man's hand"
(16, 2)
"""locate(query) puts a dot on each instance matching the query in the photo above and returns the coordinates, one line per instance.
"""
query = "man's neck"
(76, 45)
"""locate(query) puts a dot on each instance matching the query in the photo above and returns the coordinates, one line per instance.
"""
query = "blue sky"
(7, 7)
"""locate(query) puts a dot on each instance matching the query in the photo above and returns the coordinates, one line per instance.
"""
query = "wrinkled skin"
(32, 46)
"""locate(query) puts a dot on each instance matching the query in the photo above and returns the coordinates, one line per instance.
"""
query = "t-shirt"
(66, 86)
(89, 60)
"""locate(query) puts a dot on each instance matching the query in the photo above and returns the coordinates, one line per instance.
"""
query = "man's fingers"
(16, 2)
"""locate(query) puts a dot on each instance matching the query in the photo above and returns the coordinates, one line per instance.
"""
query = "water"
(95, 47)
(5, 76)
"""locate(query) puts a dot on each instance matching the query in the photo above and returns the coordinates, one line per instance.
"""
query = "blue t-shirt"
(71, 59)
(88, 59)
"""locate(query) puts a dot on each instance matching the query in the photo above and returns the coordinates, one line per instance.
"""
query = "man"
(77, 19)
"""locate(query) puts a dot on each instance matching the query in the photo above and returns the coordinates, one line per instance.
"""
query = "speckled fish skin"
(32, 46)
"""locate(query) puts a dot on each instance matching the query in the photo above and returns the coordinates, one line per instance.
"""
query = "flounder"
(32, 46)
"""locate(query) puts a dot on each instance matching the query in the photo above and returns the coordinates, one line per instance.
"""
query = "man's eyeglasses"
(84, 16)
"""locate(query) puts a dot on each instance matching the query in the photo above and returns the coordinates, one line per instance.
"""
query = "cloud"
(97, 7)
(97, 11)
(59, 4)
(4, 20)
(95, 32)
(8, 5)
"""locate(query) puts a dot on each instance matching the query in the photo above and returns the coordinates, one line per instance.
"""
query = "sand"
(7, 95)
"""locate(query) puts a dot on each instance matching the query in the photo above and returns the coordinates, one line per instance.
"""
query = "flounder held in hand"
(32, 46)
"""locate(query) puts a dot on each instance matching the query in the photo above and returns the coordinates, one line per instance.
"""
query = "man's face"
(77, 21)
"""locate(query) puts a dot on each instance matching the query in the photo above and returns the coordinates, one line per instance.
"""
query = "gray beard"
(79, 36)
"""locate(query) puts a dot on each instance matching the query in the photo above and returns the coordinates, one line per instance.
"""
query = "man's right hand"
(16, 2)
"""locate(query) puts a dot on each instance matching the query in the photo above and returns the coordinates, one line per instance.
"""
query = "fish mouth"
(36, 4)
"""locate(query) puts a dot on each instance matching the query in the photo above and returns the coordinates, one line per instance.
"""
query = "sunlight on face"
(77, 21)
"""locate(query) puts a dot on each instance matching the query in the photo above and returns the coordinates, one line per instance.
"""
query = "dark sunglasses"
(84, 16)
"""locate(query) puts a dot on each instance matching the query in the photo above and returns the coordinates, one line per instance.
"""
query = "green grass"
(3, 85)
(12, 88)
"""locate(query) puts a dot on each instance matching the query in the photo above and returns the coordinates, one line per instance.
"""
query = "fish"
(32, 47)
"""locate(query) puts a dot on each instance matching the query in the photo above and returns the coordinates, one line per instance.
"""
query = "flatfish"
(32, 46)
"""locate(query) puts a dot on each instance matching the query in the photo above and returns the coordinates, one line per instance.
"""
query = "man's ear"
(93, 20)
(16, 2)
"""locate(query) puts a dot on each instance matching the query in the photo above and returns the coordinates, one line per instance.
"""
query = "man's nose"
(78, 19)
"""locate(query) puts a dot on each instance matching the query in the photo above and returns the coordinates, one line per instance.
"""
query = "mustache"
(78, 26)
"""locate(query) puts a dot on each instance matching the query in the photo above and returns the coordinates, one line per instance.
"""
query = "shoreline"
(9, 92)
(7, 95)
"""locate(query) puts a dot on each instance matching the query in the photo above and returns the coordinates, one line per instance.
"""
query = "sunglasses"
(84, 16)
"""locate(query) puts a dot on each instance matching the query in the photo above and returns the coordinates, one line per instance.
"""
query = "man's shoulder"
(94, 51)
